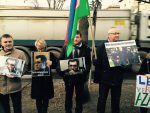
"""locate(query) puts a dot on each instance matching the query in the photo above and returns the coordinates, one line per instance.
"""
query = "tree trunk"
(83, 27)
(49, 4)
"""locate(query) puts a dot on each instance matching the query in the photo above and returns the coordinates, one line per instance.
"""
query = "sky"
(43, 3)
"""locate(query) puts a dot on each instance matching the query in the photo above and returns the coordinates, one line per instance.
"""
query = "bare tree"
(145, 1)
(36, 4)
(96, 3)
(59, 4)
(49, 3)
(25, 1)
(52, 4)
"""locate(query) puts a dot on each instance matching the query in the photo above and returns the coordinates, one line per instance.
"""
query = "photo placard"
(11, 67)
(39, 66)
(122, 53)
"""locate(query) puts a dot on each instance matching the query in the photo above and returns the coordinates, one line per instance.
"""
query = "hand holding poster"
(11, 67)
(122, 53)
(142, 98)
(40, 64)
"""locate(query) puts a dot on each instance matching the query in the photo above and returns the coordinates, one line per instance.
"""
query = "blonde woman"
(42, 86)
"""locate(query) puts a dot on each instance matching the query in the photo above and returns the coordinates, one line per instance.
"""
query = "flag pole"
(93, 52)
(96, 5)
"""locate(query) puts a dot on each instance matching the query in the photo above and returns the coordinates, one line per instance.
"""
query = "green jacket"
(11, 85)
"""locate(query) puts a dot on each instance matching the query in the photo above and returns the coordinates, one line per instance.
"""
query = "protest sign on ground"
(142, 97)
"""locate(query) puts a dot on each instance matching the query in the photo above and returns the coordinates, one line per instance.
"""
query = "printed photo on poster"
(77, 64)
(39, 65)
(142, 97)
(122, 53)
(11, 67)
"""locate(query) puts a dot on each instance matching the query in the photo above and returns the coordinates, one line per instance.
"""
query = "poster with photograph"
(78, 64)
(39, 65)
(122, 53)
(11, 67)
(142, 97)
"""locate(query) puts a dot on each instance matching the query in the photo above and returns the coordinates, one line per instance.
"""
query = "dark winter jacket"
(42, 87)
(145, 67)
(104, 74)
(11, 85)
(84, 51)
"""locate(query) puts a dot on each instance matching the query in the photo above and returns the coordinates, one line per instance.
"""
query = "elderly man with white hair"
(109, 78)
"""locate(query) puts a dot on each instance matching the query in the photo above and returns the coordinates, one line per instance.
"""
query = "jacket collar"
(78, 46)
(7, 53)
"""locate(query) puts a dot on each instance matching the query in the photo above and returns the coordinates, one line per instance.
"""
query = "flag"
(78, 9)
(70, 23)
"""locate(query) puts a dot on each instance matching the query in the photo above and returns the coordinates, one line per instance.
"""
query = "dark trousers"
(16, 101)
(143, 110)
(1, 108)
(42, 105)
(70, 84)
(115, 98)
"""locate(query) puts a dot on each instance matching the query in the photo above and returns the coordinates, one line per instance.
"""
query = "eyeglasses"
(73, 65)
(116, 33)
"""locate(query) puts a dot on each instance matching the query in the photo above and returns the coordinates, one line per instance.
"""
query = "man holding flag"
(74, 48)
(78, 9)
(76, 80)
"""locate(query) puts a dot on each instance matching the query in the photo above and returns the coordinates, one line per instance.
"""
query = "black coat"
(105, 74)
(84, 51)
(42, 87)
(145, 67)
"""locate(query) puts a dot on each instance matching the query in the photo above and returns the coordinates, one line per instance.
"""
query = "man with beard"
(73, 79)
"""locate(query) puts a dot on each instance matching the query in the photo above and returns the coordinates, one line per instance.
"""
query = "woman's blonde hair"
(40, 42)
(148, 56)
